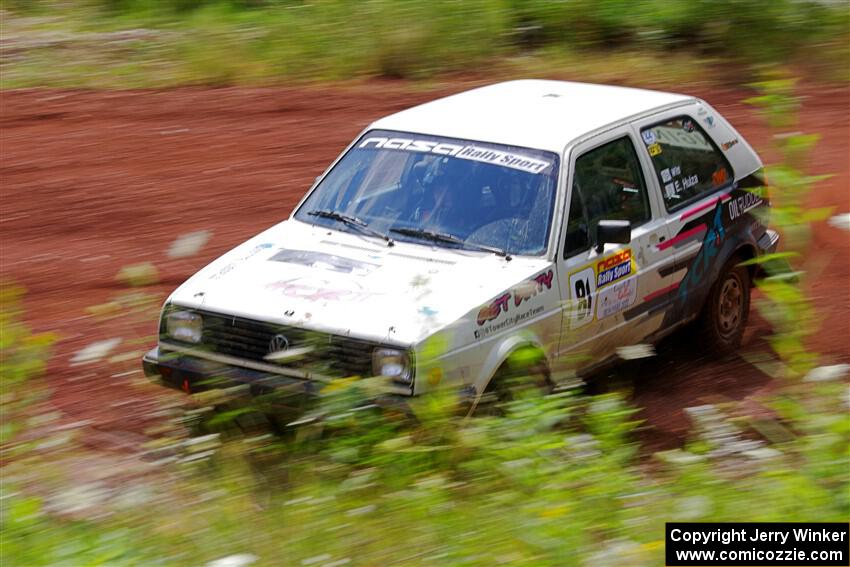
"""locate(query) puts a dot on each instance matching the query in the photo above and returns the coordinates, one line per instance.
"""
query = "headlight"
(392, 363)
(184, 326)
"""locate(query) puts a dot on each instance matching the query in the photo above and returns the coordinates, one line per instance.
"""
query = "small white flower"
(762, 453)
(95, 351)
(189, 244)
(238, 560)
(692, 508)
(369, 508)
(827, 373)
(841, 221)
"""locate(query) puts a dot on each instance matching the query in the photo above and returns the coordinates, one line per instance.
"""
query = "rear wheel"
(727, 309)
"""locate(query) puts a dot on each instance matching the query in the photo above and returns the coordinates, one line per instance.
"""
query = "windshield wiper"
(351, 221)
(450, 239)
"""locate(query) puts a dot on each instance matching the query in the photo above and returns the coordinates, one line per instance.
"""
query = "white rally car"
(557, 220)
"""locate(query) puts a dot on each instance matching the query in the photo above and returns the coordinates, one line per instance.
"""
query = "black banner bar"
(765, 544)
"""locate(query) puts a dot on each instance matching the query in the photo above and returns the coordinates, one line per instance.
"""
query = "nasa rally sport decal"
(611, 277)
(614, 268)
(492, 156)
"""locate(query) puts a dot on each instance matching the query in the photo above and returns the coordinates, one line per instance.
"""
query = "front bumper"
(192, 374)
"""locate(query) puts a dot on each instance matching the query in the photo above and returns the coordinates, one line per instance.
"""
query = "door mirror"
(613, 231)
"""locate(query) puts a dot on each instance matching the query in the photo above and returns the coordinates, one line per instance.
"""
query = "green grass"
(555, 482)
(91, 43)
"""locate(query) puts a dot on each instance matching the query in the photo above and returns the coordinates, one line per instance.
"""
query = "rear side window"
(687, 162)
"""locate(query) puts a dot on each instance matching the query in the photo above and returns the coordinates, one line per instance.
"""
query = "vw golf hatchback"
(558, 220)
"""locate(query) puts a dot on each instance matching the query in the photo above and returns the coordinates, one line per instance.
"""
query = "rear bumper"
(768, 242)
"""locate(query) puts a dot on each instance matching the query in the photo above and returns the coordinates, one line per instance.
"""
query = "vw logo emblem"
(279, 343)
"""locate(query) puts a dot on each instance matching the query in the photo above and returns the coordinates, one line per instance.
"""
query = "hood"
(341, 283)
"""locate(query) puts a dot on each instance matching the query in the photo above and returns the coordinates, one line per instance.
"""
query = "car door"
(695, 180)
(608, 181)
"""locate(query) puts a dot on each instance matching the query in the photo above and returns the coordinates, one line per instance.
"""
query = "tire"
(727, 308)
(510, 382)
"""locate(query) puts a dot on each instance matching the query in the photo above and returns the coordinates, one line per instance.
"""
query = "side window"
(607, 185)
(687, 162)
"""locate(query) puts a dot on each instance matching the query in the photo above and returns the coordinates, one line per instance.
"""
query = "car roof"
(538, 114)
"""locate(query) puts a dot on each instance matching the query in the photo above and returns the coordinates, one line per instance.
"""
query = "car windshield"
(448, 192)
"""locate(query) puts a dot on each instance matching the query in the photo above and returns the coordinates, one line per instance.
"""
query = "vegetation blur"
(553, 480)
(141, 43)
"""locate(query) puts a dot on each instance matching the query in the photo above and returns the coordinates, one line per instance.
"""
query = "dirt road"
(93, 181)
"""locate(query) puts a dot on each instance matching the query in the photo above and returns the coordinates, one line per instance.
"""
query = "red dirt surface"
(94, 181)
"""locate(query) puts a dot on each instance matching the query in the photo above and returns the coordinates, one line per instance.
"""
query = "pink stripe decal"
(698, 209)
(680, 237)
(723, 197)
(662, 291)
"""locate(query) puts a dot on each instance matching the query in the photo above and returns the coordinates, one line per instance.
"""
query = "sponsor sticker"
(508, 322)
(583, 292)
(654, 149)
(322, 260)
(614, 268)
(505, 159)
(648, 137)
(616, 298)
(492, 311)
(673, 186)
(250, 254)
(590, 285)
(743, 204)
(521, 293)
(468, 152)
(728, 145)
(689, 181)
(681, 138)
(310, 289)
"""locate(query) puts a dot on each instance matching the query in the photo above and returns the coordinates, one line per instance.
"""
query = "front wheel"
(727, 309)
(515, 379)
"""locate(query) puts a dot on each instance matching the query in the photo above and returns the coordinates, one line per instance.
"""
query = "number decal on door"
(583, 296)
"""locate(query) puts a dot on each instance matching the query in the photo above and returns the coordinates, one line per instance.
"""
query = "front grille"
(331, 355)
